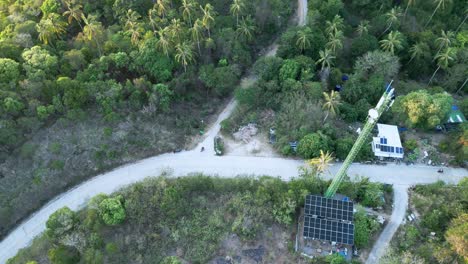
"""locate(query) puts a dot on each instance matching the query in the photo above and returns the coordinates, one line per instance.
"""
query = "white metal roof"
(390, 133)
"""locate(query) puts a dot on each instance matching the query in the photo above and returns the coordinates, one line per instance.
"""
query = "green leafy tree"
(393, 42)
(112, 211)
(60, 223)
(311, 145)
(164, 95)
(63, 255)
(289, 70)
(363, 44)
(38, 63)
(12, 106)
(457, 235)
(9, 71)
(421, 109)
(377, 63)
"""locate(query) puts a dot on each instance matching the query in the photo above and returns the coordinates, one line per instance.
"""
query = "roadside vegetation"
(90, 85)
(196, 218)
(329, 73)
(438, 235)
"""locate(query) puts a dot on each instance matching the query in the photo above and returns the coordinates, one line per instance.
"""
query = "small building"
(387, 144)
(454, 119)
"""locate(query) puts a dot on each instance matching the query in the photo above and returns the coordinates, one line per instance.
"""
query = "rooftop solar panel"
(333, 231)
(329, 208)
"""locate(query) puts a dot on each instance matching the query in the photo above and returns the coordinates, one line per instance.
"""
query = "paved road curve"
(187, 162)
(193, 161)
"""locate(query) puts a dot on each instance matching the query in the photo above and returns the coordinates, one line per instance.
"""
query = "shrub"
(410, 145)
(60, 223)
(310, 146)
(112, 211)
(64, 255)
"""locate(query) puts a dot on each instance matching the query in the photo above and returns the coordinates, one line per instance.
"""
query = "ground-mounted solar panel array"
(329, 220)
(323, 229)
(328, 208)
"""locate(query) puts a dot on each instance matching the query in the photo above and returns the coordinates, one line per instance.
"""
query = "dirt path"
(400, 204)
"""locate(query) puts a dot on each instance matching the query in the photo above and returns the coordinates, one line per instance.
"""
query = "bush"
(60, 223)
(364, 227)
(64, 255)
(410, 145)
(310, 146)
(112, 211)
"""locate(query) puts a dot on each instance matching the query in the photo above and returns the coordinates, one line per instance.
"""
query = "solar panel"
(328, 208)
(333, 231)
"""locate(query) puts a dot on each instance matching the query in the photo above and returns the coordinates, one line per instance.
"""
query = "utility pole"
(385, 102)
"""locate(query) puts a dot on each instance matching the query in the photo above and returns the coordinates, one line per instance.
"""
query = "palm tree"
(326, 59)
(207, 19)
(416, 51)
(445, 40)
(132, 26)
(73, 13)
(236, 8)
(175, 29)
(188, 6)
(392, 42)
(443, 61)
(246, 29)
(463, 21)
(91, 29)
(439, 4)
(332, 101)
(161, 6)
(335, 41)
(303, 38)
(410, 3)
(392, 17)
(196, 32)
(152, 16)
(363, 28)
(321, 163)
(163, 43)
(50, 28)
(335, 25)
(184, 54)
